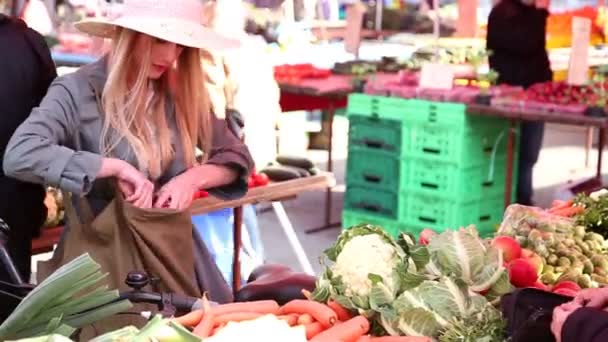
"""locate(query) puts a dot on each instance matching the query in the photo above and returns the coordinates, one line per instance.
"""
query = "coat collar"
(97, 74)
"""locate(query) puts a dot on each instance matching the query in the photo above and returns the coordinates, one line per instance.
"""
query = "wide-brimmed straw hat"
(176, 21)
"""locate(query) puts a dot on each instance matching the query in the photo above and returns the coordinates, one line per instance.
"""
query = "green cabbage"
(463, 255)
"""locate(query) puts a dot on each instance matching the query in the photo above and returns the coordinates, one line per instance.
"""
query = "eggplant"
(301, 162)
(280, 173)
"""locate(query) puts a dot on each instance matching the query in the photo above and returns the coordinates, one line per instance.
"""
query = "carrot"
(205, 327)
(237, 317)
(349, 331)
(260, 306)
(569, 212)
(313, 329)
(217, 328)
(556, 205)
(306, 294)
(342, 313)
(190, 319)
(319, 311)
(368, 338)
(290, 319)
(305, 319)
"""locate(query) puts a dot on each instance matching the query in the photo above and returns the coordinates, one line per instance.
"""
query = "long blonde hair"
(140, 119)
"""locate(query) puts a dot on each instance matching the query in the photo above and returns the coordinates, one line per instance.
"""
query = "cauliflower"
(361, 256)
(367, 270)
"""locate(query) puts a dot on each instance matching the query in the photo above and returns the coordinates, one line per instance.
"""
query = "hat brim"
(180, 32)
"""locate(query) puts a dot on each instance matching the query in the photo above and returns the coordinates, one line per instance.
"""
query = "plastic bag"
(216, 230)
(535, 226)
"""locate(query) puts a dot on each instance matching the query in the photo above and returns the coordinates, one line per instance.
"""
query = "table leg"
(292, 237)
(331, 111)
(510, 159)
(600, 150)
(588, 144)
(236, 260)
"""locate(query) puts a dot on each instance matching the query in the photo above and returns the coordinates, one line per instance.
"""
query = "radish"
(511, 250)
(522, 273)
(426, 235)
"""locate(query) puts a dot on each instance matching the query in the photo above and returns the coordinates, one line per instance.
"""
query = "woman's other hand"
(178, 193)
(591, 298)
(136, 188)
(560, 315)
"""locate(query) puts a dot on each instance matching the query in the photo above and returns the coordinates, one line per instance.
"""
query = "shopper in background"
(26, 71)
(516, 38)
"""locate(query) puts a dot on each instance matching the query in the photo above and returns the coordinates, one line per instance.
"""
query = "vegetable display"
(555, 247)
(414, 290)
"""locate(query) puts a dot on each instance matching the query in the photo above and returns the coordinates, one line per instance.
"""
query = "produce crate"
(491, 213)
(367, 200)
(379, 107)
(445, 144)
(437, 213)
(377, 169)
(376, 135)
(352, 218)
(448, 181)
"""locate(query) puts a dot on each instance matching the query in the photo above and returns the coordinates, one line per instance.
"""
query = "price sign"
(354, 23)
(436, 76)
(578, 66)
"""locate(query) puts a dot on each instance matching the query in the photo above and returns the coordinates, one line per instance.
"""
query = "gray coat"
(58, 145)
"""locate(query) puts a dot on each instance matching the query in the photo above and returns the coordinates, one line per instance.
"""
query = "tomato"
(251, 181)
(260, 179)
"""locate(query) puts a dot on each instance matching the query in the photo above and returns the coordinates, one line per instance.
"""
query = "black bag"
(529, 313)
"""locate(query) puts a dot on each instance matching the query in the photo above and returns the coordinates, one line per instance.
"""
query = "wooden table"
(273, 192)
(310, 96)
(517, 115)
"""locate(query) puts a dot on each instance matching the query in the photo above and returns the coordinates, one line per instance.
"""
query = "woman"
(516, 38)
(134, 117)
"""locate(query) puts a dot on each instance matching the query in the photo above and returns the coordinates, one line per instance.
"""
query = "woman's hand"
(591, 298)
(560, 315)
(178, 193)
(137, 189)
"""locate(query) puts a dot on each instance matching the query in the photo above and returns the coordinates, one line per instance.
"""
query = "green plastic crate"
(450, 181)
(367, 200)
(352, 218)
(443, 144)
(378, 107)
(376, 169)
(437, 213)
(376, 135)
(491, 213)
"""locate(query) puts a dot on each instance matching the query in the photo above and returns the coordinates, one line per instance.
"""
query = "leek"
(124, 334)
(71, 297)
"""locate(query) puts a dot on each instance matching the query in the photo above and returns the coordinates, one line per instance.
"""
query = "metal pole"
(436, 28)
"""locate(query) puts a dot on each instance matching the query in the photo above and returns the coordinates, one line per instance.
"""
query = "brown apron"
(124, 238)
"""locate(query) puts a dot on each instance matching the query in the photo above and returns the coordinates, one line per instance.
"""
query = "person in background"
(584, 319)
(27, 71)
(246, 85)
(516, 38)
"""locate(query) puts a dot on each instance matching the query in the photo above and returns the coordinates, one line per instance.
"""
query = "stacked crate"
(414, 164)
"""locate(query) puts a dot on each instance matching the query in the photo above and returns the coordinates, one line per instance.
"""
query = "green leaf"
(375, 279)
(380, 295)
(418, 322)
(360, 302)
(412, 280)
(345, 302)
(421, 256)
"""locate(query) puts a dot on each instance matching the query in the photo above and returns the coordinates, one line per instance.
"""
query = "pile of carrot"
(322, 322)
(565, 208)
